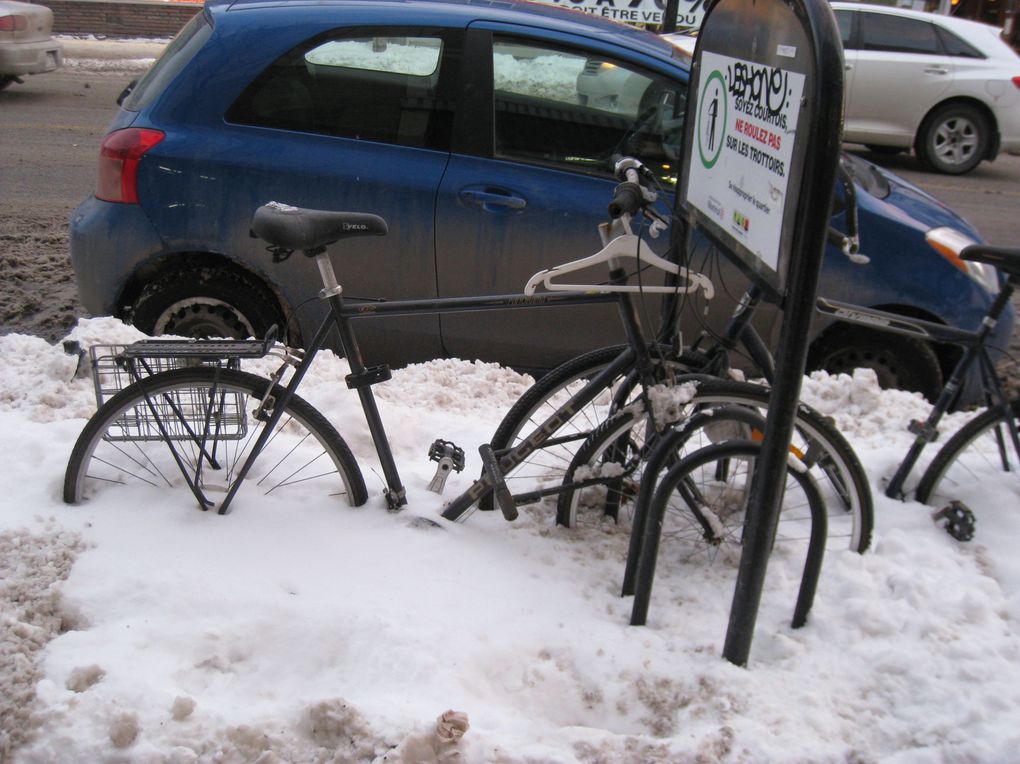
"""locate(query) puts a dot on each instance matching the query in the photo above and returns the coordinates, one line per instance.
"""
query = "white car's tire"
(953, 139)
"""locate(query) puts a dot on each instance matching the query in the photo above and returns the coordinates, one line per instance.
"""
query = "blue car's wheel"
(898, 362)
(197, 301)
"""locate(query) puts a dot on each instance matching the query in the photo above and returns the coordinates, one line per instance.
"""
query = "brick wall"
(120, 18)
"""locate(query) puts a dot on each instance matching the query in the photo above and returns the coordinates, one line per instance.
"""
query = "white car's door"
(896, 72)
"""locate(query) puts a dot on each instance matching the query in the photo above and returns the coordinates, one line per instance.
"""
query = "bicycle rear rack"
(186, 412)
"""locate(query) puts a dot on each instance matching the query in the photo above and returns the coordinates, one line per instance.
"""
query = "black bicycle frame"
(975, 349)
(362, 377)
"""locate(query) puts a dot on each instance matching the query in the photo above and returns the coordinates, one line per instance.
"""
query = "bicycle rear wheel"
(981, 454)
(190, 430)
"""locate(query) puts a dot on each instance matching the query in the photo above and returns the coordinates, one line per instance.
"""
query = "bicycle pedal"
(449, 457)
(957, 520)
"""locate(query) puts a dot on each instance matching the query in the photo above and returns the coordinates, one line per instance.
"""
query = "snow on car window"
(549, 76)
(418, 56)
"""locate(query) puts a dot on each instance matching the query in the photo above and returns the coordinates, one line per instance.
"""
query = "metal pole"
(669, 15)
(811, 226)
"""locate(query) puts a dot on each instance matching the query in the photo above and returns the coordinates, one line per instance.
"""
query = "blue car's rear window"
(177, 54)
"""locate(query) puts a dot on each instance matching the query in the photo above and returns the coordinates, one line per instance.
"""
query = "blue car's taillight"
(119, 155)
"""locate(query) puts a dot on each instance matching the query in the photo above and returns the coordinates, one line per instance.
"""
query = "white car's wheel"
(953, 139)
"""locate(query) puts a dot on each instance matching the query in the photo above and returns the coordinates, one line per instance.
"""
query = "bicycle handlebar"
(627, 199)
(631, 195)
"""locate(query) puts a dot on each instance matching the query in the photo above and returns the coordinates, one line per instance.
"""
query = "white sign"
(743, 145)
(689, 13)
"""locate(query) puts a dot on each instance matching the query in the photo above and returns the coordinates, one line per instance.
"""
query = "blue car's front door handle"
(492, 200)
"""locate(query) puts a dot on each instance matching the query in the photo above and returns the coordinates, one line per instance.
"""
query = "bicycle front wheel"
(816, 443)
(547, 465)
(702, 500)
(190, 430)
(700, 509)
(606, 472)
(980, 455)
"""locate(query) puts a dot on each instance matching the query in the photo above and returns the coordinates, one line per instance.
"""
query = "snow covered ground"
(159, 633)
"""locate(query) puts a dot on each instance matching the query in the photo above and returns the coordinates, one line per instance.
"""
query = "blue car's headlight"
(949, 243)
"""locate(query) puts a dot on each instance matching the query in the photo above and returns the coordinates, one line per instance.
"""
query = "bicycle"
(198, 414)
(988, 444)
(191, 426)
(607, 433)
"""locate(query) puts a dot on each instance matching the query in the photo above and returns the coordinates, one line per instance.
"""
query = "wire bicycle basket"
(181, 414)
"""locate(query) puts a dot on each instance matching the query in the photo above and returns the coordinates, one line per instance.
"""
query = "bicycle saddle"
(311, 231)
(1006, 259)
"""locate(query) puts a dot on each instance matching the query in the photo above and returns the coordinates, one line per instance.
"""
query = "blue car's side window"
(368, 87)
(571, 109)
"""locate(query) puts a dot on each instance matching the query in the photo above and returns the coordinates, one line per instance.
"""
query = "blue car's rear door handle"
(492, 199)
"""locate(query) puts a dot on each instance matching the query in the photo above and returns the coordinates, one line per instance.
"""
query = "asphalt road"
(51, 128)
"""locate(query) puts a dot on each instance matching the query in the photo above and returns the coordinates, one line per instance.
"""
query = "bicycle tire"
(536, 404)
(833, 463)
(132, 439)
(612, 456)
(971, 457)
(547, 465)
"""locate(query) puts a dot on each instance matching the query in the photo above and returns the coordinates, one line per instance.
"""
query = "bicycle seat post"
(361, 380)
(330, 285)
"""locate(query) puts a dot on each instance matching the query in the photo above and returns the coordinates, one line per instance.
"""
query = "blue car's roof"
(462, 12)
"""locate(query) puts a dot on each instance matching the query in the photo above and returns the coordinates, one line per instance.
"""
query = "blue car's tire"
(196, 301)
(899, 362)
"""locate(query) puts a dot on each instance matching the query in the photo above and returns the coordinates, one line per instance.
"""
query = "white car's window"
(566, 108)
(954, 46)
(880, 31)
(378, 88)
(845, 20)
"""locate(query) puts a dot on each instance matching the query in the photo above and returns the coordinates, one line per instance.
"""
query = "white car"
(25, 43)
(949, 88)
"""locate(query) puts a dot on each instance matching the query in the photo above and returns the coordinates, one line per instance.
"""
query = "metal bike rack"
(764, 123)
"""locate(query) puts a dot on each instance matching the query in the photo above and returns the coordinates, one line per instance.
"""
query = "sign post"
(764, 122)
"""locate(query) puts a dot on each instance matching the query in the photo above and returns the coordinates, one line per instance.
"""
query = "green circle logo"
(713, 109)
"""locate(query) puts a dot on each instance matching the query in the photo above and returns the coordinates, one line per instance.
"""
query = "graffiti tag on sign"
(745, 125)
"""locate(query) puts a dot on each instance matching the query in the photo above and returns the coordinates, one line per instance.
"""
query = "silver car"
(26, 46)
(947, 87)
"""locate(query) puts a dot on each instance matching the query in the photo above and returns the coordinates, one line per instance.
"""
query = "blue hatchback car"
(485, 134)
